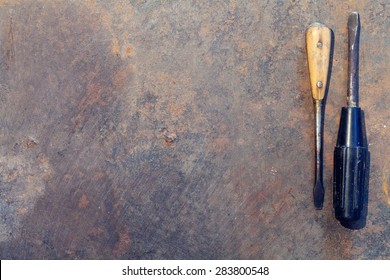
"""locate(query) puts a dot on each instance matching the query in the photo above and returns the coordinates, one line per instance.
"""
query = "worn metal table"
(149, 129)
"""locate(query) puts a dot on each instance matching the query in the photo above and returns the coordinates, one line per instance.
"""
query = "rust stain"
(98, 176)
(130, 50)
(106, 19)
(205, 30)
(386, 190)
(144, 134)
(176, 110)
(43, 160)
(35, 186)
(121, 18)
(125, 10)
(170, 138)
(83, 202)
(256, 106)
(29, 143)
(95, 232)
(208, 59)
(243, 69)
(115, 46)
(119, 79)
(164, 77)
(123, 242)
(245, 49)
(22, 210)
(285, 202)
(12, 175)
(94, 96)
(91, 3)
(219, 144)
(131, 69)
(44, 165)
(121, 48)
(165, 26)
(67, 178)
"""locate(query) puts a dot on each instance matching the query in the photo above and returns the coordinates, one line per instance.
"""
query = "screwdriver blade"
(318, 194)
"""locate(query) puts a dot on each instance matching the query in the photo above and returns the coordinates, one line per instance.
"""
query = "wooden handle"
(318, 44)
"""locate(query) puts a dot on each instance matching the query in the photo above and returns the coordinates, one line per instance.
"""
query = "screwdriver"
(351, 151)
(318, 46)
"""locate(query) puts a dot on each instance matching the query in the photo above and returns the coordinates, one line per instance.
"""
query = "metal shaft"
(319, 191)
(353, 60)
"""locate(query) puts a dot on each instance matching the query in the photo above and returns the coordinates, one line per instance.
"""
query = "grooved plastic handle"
(350, 165)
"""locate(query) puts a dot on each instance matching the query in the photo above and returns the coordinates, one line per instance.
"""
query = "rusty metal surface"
(180, 129)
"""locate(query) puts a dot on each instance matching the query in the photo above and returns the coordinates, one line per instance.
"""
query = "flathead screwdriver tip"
(318, 195)
(353, 22)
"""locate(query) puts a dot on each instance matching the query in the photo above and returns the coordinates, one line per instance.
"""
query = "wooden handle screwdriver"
(318, 46)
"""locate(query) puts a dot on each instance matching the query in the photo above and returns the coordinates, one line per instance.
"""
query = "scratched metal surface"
(148, 129)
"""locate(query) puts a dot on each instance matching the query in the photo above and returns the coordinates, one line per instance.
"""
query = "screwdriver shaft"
(353, 60)
(318, 190)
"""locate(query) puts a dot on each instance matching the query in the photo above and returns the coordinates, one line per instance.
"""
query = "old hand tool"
(318, 45)
(351, 151)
